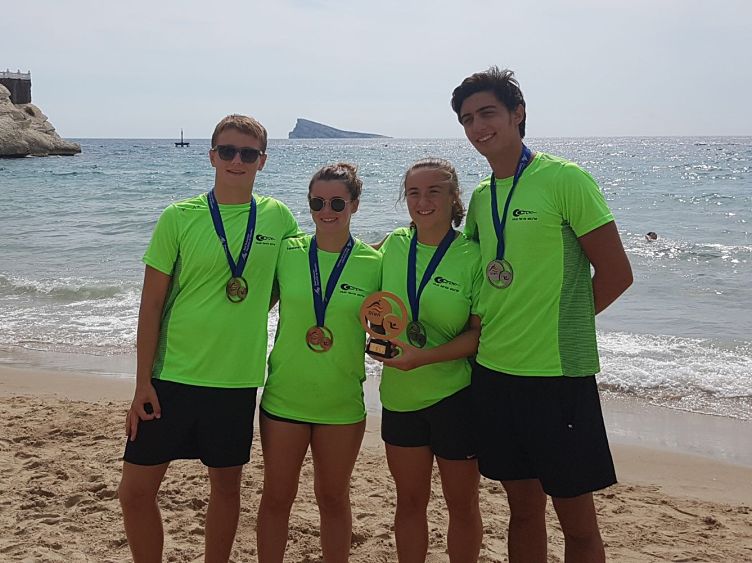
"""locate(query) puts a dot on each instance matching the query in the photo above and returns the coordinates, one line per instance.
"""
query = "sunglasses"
(336, 203)
(247, 154)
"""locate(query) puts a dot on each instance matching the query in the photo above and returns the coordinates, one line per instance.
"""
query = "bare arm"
(274, 296)
(378, 245)
(463, 345)
(153, 297)
(613, 274)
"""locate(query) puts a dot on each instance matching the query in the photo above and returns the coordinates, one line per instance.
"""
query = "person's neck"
(504, 165)
(233, 195)
(332, 242)
(432, 236)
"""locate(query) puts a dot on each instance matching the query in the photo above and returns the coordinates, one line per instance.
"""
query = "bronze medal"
(236, 289)
(499, 273)
(319, 339)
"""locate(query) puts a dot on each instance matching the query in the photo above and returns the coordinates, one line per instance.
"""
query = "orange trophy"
(383, 316)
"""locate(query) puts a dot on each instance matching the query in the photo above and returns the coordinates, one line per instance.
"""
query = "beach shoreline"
(630, 421)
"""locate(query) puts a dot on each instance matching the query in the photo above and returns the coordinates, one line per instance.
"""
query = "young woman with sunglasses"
(425, 393)
(314, 392)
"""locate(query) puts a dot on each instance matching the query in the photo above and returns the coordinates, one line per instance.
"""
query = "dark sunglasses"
(336, 203)
(228, 152)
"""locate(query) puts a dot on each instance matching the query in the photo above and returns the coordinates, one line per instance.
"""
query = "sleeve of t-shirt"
(385, 244)
(162, 252)
(381, 270)
(275, 295)
(471, 224)
(291, 229)
(477, 284)
(582, 203)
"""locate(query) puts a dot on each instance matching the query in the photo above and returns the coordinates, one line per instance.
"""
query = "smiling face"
(235, 174)
(429, 198)
(491, 128)
(326, 219)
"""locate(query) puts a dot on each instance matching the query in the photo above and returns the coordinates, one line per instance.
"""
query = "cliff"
(25, 130)
(305, 129)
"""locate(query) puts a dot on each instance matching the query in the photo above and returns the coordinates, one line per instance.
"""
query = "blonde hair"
(450, 177)
(242, 123)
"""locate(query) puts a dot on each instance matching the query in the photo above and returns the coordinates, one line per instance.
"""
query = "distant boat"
(182, 143)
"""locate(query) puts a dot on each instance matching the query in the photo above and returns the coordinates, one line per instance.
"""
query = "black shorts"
(271, 416)
(447, 427)
(207, 423)
(545, 428)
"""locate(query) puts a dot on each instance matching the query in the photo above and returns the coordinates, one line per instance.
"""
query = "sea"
(73, 231)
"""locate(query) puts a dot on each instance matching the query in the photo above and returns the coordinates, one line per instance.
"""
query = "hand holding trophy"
(383, 316)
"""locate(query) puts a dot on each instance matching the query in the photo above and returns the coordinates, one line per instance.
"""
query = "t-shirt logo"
(444, 283)
(352, 290)
(524, 215)
(265, 240)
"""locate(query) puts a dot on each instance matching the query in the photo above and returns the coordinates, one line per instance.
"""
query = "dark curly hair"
(501, 83)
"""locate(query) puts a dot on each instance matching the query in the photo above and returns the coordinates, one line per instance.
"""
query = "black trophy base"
(380, 348)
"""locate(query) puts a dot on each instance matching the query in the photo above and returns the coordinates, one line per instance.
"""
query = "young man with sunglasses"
(201, 343)
(542, 222)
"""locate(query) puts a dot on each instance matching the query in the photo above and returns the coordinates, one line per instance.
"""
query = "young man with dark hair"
(201, 343)
(542, 222)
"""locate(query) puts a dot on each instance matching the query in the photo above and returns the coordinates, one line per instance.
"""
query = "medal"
(416, 334)
(236, 289)
(499, 272)
(383, 316)
(319, 338)
(416, 331)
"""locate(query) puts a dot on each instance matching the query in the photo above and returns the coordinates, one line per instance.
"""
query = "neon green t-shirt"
(205, 339)
(320, 387)
(543, 324)
(446, 304)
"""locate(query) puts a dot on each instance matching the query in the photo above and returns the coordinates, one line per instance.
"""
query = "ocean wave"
(64, 289)
(664, 248)
(699, 374)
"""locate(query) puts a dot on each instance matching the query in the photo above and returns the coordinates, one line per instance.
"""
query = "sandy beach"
(61, 440)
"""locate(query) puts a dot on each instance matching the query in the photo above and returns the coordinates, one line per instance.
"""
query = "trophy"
(383, 316)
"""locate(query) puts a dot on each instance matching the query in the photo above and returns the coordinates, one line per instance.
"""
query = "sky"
(141, 69)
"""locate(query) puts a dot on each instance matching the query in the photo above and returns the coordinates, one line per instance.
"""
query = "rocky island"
(24, 129)
(306, 129)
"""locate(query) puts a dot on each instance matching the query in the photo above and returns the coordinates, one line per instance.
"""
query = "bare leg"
(223, 513)
(527, 522)
(138, 498)
(335, 449)
(411, 469)
(459, 480)
(582, 539)
(284, 445)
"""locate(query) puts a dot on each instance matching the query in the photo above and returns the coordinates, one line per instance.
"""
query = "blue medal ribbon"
(500, 224)
(413, 293)
(320, 302)
(235, 269)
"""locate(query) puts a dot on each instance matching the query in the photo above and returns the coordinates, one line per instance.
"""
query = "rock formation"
(24, 130)
(305, 129)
